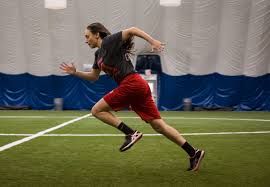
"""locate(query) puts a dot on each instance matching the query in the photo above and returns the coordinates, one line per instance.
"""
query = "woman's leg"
(101, 110)
(171, 133)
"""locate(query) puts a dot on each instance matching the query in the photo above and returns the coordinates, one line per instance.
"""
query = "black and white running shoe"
(130, 140)
(196, 160)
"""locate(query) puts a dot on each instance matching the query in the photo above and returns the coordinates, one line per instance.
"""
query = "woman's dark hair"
(103, 32)
(98, 28)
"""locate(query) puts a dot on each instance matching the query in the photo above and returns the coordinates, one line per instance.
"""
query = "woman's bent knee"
(95, 111)
(100, 106)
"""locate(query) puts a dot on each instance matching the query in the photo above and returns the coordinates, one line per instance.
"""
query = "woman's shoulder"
(116, 37)
(97, 52)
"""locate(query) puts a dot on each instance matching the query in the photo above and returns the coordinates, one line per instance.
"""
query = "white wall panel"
(36, 38)
(258, 40)
(233, 34)
(65, 34)
(148, 17)
(12, 51)
(231, 37)
(177, 32)
(205, 31)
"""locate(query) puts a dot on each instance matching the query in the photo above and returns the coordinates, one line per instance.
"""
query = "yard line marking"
(36, 117)
(111, 135)
(7, 146)
(202, 118)
(225, 119)
(2, 134)
(135, 117)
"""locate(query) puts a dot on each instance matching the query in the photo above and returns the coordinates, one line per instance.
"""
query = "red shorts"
(133, 92)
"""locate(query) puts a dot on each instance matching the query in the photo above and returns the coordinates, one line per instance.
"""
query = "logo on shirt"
(111, 71)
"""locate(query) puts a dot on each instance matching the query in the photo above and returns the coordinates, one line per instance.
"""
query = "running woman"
(112, 57)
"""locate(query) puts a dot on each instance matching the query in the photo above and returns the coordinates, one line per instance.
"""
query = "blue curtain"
(39, 92)
(209, 91)
(215, 91)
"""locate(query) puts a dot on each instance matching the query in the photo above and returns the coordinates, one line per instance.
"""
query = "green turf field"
(80, 159)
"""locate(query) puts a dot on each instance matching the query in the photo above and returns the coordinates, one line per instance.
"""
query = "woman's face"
(91, 39)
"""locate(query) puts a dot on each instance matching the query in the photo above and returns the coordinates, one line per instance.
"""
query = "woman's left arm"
(134, 31)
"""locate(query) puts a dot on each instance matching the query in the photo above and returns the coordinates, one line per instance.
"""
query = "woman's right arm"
(93, 75)
(134, 31)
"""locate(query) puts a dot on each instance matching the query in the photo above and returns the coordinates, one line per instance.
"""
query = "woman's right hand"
(157, 46)
(70, 69)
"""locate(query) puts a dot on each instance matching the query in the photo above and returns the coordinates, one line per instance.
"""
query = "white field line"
(37, 117)
(133, 117)
(111, 135)
(7, 146)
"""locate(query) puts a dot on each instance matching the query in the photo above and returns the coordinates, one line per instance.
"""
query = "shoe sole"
(132, 143)
(199, 161)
